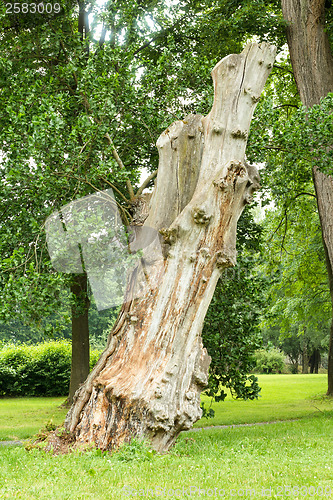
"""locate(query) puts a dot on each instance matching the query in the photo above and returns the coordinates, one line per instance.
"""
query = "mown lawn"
(282, 397)
(21, 418)
(250, 462)
(280, 460)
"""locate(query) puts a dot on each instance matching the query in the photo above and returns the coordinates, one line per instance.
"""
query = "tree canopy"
(84, 96)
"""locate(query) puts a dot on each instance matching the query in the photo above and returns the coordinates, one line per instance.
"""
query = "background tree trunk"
(149, 379)
(305, 358)
(314, 361)
(312, 62)
(80, 334)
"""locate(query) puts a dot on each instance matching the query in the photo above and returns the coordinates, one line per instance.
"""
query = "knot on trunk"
(255, 98)
(169, 235)
(200, 216)
(236, 170)
(225, 259)
(239, 134)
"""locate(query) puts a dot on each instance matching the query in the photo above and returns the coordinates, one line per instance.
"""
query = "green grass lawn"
(21, 418)
(239, 462)
(282, 397)
(280, 460)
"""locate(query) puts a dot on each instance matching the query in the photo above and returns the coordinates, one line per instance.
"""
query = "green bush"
(269, 361)
(8, 377)
(37, 370)
(94, 357)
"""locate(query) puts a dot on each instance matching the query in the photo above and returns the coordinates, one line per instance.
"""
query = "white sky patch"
(32, 164)
(143, 176)
(283, 54)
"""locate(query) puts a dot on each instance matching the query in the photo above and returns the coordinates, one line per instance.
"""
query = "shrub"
(7, 379)
(94, 357)
(269, 361)
(37, 370)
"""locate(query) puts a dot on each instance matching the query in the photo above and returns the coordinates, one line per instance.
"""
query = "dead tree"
(148, 381)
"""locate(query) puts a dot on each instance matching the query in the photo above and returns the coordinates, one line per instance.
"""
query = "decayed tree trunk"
(312, 62)
(149, 379)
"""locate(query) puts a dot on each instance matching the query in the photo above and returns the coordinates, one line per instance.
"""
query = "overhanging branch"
(145, 183)
(121, 165)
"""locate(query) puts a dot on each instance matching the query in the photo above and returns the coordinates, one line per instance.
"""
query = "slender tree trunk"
(330, 364)
(312, 62)
(80, 310)
(149, 379)
(314, 361)
(80, 334)
(305, 359)
(324, 192)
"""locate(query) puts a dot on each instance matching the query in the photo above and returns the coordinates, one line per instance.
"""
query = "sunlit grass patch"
(282, 397)
(286, 454)
(20, 418)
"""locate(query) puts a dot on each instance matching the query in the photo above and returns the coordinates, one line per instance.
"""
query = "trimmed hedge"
(37, 370)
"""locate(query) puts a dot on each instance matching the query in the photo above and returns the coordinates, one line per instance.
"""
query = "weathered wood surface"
(149, 379)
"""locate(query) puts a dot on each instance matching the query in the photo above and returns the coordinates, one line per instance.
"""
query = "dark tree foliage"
(231, 333)
(71, 94)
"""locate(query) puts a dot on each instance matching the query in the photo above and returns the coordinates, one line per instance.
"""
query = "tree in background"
(308, 348)
(296, 144)
(312, 60)
(67, 100)
(75, 118)
(298, 301)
